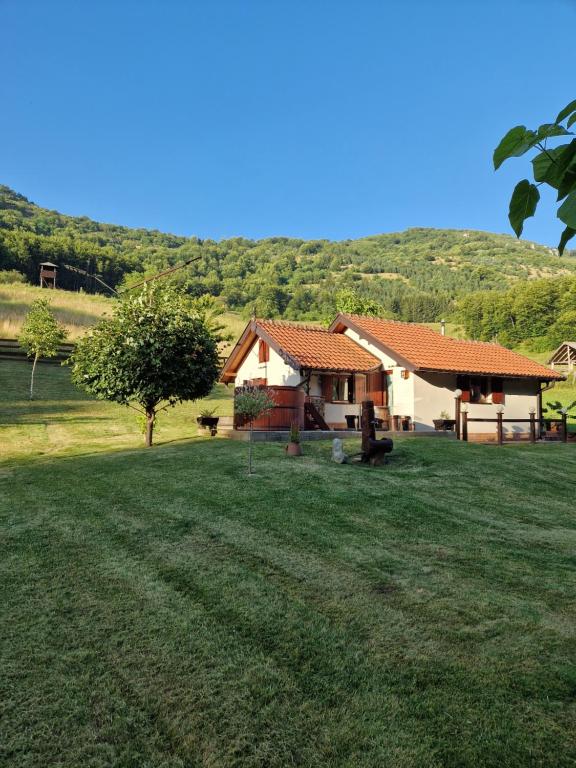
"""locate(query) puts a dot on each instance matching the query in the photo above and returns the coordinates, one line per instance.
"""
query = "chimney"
(443, 327)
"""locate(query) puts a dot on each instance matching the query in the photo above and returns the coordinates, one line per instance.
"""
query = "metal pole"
(500, 428)
(457, 406)
(532, 428)
(465, 426)
(564, 428)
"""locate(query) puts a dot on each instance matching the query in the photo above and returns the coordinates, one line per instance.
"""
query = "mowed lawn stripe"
(160, 608)
(400, 680)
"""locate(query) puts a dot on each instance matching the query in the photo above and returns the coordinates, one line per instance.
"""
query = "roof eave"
(320, 369)
(551, 376)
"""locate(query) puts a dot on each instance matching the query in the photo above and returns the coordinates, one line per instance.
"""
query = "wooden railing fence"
(500, 421)
(10, 349)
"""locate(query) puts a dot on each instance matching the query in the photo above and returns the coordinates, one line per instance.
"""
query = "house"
(413, 374)
(316, 377)
(564, 358)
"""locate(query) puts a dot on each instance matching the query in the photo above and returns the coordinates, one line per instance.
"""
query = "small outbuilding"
(48, 274)
(564, 358)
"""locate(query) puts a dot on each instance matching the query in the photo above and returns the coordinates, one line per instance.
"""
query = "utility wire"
(161, 274)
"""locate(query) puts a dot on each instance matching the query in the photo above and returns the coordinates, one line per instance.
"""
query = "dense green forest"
(541, 312)
(418, 274)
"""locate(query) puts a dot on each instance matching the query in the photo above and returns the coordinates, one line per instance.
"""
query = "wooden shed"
(564, 358)
(48, 274)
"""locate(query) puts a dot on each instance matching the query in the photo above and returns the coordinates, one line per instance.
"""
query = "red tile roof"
(427, 350)
(318, 349)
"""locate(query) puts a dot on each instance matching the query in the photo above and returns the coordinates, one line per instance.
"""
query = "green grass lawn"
(64, 420)
(160, 609)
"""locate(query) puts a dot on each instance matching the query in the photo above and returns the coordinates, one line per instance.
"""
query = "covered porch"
(327, 400)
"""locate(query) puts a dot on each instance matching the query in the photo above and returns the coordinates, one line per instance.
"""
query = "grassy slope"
(159, 608)
(78, 312)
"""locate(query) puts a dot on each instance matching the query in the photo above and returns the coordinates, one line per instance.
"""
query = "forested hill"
(414, 274)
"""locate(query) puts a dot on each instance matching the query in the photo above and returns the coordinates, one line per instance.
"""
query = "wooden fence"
(499, 421)
(10, 349)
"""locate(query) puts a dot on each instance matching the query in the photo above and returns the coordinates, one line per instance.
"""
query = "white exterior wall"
(434, 392)
(275, 371)
(401, 393)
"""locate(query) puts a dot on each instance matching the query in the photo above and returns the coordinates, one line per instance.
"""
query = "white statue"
(338, 454)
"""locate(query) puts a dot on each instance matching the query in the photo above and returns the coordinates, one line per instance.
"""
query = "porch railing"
(499, 421)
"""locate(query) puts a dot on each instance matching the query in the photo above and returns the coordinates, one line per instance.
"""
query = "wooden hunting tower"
(48, 274)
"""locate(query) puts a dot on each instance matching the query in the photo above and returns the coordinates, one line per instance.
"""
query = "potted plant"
(444, 423)
(294, 448)
(207, 420)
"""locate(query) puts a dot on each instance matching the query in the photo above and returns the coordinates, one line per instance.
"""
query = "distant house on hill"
(413, 374)
(564, 358)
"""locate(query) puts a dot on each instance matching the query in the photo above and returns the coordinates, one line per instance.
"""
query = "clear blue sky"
(278, 117)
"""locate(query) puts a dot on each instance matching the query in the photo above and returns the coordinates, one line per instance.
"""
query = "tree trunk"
(32, 377)
(250, 452)
(150, 418)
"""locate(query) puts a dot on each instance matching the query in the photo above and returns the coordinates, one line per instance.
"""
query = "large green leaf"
(567, 179)
(567, 235)
(551, 129)
(517, 141)
(565, 169)
(522, 204)
(567, 211)
(571, 120)
(568, 109)
(546, 166)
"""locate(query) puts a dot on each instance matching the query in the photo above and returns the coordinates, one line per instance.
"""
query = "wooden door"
(360, 388)
(377, 387)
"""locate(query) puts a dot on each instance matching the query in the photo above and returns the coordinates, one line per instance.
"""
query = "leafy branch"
(554, 167)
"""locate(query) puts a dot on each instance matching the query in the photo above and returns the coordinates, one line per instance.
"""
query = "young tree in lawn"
(250, 403)
(41, 335)
(156, 351)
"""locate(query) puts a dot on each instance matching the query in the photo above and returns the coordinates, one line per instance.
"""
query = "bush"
(9, 276)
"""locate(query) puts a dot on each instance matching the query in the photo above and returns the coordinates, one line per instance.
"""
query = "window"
(263, 352)
(342, 389)
(481, 389)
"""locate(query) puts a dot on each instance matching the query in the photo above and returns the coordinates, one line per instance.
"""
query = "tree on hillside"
(156, 351)
(41, 335)
(350, 302)
(554, 166)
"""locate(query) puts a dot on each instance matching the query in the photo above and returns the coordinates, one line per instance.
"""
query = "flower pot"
(208, 421)
(444, 425)
(294, 449)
